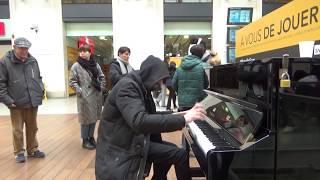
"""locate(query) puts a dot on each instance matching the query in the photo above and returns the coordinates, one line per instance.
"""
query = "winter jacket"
(115, 73)
(172, 70)
(20, 82)
(89, 99)
(128, 120)
(189, 81)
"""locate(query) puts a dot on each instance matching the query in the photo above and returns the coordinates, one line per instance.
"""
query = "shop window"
(188, 1)
(87, 1)
(178, 45)
(103, 52)
(196, 1)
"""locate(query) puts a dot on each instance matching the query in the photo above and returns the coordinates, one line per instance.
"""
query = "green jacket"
(189, 81)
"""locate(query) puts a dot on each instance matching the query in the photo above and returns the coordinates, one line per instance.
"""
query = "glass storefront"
(86, 1)
(5, 46)
(103, 52)
(179, 35)
(97, 34)
(178, 45)
(187, 1)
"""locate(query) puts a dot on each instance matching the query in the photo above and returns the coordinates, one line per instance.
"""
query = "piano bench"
(147, 170)
(196, 172)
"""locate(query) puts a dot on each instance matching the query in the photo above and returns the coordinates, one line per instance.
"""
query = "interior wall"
(219, 22)
(41, 23)
(138, 25)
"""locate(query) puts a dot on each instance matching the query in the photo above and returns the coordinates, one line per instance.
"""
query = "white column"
(138, 24)
(219, 21)
(40, 21)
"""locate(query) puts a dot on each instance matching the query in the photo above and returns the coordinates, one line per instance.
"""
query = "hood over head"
(190, 61)
(152, 70)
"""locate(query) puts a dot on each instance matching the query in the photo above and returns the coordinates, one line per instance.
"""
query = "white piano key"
(201, 139)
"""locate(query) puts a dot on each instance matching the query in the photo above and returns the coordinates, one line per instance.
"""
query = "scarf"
(125, 67)
(91, 67)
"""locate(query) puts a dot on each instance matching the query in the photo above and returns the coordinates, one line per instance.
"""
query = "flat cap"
(22, 42)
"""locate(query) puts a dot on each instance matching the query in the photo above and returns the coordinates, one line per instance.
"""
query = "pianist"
(128, 119)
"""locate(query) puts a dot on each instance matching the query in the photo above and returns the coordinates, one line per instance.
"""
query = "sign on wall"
(2, 29)
(297, 21)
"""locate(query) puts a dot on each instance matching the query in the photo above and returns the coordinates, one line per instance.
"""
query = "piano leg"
(194, 171)
(218, 165)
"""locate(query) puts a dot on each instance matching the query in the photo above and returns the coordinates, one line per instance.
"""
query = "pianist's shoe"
(87, 145)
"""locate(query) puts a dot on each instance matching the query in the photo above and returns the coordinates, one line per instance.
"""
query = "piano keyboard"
(207, 138)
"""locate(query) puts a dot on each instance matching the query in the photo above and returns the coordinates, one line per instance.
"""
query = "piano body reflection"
(281, 137)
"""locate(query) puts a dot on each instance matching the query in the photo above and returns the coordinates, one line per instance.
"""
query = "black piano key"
(213, 135)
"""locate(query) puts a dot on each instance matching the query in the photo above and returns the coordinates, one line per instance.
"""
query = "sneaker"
(87, 145)
(37, 154)
(20, 158)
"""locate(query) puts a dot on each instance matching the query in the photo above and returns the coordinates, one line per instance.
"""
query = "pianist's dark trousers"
(183, 140)
(164, 155)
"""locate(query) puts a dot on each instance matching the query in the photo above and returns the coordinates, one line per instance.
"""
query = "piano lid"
(239, 119)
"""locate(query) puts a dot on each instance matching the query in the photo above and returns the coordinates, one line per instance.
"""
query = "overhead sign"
(2, 29)
(296, 21)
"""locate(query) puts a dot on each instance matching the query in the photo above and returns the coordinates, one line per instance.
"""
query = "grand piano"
(286, 139)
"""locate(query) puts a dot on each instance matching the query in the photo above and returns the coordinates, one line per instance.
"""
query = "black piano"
(287, 137)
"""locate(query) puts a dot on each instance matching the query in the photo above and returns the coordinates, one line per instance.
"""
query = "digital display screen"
(231, 35)
(239, 16)
(231, 54)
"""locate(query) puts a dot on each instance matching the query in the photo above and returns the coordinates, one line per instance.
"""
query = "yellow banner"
(296, 21)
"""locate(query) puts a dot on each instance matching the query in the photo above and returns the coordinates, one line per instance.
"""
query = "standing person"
(172, 92)
(128, 121)
(21, 90)
(88, 81)
(120, 66)
(162, 92)
(190, 79)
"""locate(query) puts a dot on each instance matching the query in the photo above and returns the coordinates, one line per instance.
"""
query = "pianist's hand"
(196, 113)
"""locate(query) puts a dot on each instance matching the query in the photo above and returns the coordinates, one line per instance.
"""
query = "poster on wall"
(2, 29)
(282, 31)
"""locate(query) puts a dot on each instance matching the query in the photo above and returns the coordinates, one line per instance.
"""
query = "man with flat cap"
(21, 90)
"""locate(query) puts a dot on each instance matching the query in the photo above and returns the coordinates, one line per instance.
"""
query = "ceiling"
(276, 1)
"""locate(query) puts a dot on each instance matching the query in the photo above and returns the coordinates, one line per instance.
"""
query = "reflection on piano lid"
(230, 125)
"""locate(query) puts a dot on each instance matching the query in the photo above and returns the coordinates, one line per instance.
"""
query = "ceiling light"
(102, 38)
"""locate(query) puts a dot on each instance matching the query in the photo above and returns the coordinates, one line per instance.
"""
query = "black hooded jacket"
(128, 119)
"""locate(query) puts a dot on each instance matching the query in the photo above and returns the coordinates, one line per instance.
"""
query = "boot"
(87, 145)
(92, 141)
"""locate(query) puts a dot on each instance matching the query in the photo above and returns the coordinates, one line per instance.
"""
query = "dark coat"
(115, 73)
(172, 70)
(127, 122)
(20, 82)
